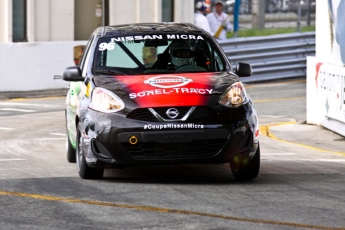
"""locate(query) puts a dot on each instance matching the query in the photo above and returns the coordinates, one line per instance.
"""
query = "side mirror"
(243, 69)
(72, 73)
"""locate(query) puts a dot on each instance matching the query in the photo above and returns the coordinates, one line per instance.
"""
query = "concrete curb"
(300, 134)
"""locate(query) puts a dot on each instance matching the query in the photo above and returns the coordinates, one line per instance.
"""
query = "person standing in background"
(200, 19)
(219, 21)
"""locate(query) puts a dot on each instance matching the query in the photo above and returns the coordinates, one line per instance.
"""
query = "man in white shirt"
(219, 21)
(199, 16)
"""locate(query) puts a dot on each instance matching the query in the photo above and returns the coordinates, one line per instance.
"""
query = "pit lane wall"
(35, 65)
(326, 71)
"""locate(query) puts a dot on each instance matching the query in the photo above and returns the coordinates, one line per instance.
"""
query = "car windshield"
(157, 53)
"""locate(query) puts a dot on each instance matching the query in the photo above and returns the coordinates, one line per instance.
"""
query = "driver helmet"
(181, 53)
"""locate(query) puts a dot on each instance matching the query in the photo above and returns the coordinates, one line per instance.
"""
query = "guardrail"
(272, 57)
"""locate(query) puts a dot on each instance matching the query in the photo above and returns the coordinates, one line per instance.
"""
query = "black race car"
(158, 93)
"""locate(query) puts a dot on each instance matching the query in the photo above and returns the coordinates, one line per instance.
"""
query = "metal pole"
(258, 14)
(299, 17)
(103, 12)
(236, 15)
(308, 16)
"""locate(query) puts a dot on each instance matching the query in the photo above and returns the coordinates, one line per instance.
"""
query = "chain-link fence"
(267, 14)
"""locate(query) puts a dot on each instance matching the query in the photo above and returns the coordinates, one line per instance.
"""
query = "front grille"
(200, 112)
(192, 149)
(182, 111)
(142, 115)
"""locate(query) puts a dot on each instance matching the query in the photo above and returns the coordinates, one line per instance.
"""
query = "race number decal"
(106, 46)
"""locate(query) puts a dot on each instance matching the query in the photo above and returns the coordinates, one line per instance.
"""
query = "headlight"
(234, 96)
(105, 101)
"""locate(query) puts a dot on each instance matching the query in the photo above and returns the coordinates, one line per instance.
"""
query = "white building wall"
(50, 31)
(33, 65)
(134, 11)
(148, 11)
(41, 19)
(184, 11)
(61, 20)
(53, 20)
(47, 20)
(120, 13)
(5, 21)
(31, 27)
(50, 20)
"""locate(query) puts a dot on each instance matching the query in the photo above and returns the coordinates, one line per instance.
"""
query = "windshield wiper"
(107, 71)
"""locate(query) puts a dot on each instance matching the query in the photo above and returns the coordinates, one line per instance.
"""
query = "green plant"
(265, 32)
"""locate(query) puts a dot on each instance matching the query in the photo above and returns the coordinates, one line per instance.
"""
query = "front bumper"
(112, 140)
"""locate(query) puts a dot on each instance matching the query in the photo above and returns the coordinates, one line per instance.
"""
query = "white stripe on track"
(49, 139)
(14, 159)
(18, 110)
(307, 160)
(58, 134)
(26, 104)
(4, 128)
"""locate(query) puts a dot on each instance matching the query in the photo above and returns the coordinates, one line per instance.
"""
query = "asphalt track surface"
(301, 184)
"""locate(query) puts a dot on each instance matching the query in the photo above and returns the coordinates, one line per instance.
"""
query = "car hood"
(160, 90)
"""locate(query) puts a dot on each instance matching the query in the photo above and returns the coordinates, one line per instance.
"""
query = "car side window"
(219, 65)
(86, 57)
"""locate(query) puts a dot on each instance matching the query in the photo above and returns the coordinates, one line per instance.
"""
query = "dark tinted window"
(19, 20)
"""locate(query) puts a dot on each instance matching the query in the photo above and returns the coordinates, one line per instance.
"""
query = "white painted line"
(307, 160)
(18, 110)
(14, 159)
(3, 128)
(58, 134)
(328, 160)
(48, 139)
(279, 154)
(27, 104)
(271, 116)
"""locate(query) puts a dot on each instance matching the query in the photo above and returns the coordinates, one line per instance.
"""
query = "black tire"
(70, 151)
(246, 171)
(84, 170)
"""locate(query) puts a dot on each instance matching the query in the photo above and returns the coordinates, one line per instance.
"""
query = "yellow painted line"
(278, 99)
(161, 210)
(274, 84)
(265, 130)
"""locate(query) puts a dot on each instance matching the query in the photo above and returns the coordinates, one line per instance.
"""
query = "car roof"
(148, 28)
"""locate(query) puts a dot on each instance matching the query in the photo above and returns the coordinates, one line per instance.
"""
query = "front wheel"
(70, 151)
(244, 169)
(84, 170)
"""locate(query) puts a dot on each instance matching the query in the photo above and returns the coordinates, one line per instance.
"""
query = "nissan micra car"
(159, 93)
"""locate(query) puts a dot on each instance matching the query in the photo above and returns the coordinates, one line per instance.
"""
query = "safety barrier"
(272, 57)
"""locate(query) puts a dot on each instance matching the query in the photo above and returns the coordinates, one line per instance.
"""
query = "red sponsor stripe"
(168, 90)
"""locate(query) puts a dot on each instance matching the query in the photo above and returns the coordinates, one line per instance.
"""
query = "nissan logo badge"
(172, 113)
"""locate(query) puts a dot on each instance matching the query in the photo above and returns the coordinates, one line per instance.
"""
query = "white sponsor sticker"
(168, 81)
(106, 46)
(153, 37)
(91, 160)
(173, 126)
